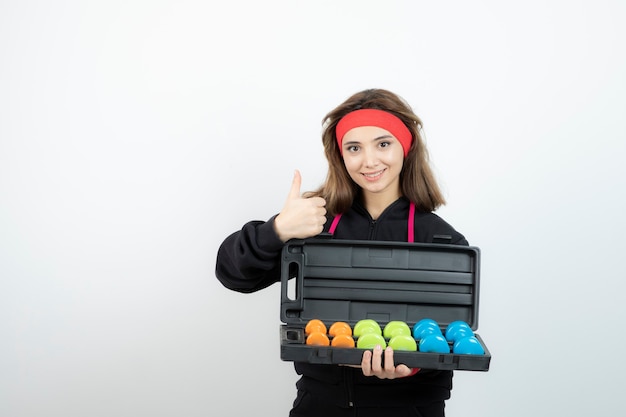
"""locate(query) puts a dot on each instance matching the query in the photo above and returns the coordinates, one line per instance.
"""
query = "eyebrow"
(378, 138)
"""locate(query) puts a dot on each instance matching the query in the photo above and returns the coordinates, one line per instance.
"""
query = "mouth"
(373, 176)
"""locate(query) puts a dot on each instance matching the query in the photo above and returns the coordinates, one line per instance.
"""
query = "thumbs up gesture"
(300, 217)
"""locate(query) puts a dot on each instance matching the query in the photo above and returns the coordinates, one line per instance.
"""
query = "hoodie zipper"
(371, 233)
(348, 384)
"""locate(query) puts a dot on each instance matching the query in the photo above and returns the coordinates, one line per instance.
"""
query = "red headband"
(378, 118)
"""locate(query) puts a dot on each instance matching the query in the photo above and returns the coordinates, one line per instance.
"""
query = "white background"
(136, 135)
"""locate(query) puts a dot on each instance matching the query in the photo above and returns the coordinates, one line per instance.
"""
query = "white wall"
(135, 135)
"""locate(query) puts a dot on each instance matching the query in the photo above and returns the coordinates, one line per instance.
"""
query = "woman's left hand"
(373, 364)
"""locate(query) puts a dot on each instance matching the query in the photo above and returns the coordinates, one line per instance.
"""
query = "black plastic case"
(343, 280)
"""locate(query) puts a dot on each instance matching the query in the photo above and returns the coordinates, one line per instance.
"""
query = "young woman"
(379, 186)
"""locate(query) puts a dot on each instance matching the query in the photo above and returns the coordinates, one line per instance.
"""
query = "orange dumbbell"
(317, 339)
(343, 340)
(315, 326)
(340, 327)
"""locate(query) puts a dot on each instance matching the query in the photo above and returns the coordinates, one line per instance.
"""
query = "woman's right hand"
(300, 217)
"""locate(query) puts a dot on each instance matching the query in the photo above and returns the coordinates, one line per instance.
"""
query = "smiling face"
(373, 158)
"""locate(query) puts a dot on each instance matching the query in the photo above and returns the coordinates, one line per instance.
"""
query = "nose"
(371, 158)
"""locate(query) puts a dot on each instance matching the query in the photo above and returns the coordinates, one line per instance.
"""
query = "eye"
(352, 148)
(384, 144)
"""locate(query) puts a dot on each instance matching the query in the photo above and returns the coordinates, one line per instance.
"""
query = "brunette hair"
(417, 180)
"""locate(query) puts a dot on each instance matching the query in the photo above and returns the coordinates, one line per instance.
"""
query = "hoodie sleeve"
(249, 259)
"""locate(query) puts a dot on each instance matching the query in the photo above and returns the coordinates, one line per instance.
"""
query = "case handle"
(292, 277)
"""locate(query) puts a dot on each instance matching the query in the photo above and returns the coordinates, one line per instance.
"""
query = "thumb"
(294, 192)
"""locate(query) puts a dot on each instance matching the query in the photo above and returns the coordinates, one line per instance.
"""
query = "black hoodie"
(249, 260)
